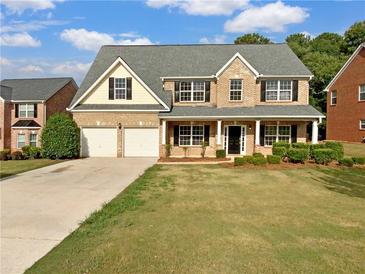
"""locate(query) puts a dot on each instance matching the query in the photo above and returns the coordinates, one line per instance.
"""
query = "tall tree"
(353, 37)
(299, 43)
(252, 38)
(327, 42)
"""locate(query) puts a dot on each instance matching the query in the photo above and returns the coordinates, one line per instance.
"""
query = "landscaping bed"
(192, 159)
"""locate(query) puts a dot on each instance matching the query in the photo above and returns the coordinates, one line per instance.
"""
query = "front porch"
(235, 136)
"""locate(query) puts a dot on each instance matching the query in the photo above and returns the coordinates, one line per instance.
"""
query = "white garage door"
(141, 142)
(99, 142)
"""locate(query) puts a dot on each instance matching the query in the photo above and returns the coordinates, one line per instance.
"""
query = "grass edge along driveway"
(205, 219)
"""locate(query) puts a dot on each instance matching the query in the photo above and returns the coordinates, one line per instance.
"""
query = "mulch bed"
(185, 160)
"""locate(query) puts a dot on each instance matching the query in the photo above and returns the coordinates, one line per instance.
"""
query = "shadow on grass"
(349, 181)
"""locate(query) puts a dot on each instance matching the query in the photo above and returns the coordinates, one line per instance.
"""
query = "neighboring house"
(26, 104)
(346, 100)
(241, 98)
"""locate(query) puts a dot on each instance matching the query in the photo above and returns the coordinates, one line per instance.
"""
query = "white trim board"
(344, 67)
(119, 60)
(239, 56)
(117, 110)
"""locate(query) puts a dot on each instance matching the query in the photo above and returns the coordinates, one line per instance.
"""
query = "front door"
(234, 139)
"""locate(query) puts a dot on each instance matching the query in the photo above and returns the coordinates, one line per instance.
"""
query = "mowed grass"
(213, 219)
(354, 150)
(12, 167)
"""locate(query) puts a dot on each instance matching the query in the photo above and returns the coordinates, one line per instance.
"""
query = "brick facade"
(343, 119)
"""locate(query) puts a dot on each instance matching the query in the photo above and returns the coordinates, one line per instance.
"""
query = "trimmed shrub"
(337, 147)
(346, 162)
(5, 155)
(300, 145)
(281, 144)
(258, 154)
(312, 147)
(247, 159)
(273, 159)
(259, 161)
(359, 160)
(324, 155)
(298, 155)
(238, 161)
(30, 152)
(17, 155)
(60, 137)
(279, 151)
(220, 153)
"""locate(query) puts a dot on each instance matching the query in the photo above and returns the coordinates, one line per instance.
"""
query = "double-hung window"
(192, 91)
(362, 124)
(362, 93)
(33, 139)
(235, 90)
(279, 90)
(120, 88)
(20, 142)
(333, 97)
(26, 111)
(277, 133)
(191, 135)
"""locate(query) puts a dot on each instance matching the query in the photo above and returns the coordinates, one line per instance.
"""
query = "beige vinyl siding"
(100, 94)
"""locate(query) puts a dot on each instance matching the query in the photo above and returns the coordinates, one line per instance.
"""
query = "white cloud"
(271, 17)
(71, 68)
(216, 39)
(19, 40)
(201, 7)
(4, 61)
(31, 69)
(21, 26)
(19, 6)
(93, 40)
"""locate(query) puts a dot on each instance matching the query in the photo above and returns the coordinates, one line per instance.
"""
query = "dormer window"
(26, 110)
(235, 90)
(120, 88)
(192, 91)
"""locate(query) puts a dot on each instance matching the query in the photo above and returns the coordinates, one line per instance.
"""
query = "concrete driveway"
(39, 208)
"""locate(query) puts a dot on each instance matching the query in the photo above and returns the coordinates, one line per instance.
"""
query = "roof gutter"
(291, 117)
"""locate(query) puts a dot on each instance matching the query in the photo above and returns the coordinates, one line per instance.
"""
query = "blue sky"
(61, 37)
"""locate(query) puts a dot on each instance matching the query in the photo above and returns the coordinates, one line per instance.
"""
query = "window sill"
(235, 101)
(279, 101)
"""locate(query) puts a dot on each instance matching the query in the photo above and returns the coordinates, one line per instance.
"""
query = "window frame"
(361, 92)
(30, 139)
(333, 97)
(27, 111)
(17, 140)
(278, 91)
(120, 89)
(235, 90)
(192, 91)
(191, 135)
(360, 126)
(277, 135)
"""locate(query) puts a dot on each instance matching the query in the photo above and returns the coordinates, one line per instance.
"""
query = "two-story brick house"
(26, 104)
(346, 100)
(136, 99)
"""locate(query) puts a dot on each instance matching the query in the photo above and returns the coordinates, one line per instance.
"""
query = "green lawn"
(8, 168)
(212, 219)
(354, 150)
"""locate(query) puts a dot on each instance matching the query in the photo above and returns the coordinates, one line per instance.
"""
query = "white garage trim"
(141, 141)
(102, 141)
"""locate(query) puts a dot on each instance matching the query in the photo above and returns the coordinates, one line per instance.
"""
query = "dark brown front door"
(234, 134)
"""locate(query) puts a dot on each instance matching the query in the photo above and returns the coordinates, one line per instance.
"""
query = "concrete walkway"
(39, 208)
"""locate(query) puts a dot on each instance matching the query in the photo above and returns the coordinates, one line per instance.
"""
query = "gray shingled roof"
(304, 111)
(35, 88)
(152, 62)
(119, 107)
(5, 92)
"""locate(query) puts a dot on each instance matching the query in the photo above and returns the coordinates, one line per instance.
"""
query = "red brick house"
(25, 106)
(346, 100)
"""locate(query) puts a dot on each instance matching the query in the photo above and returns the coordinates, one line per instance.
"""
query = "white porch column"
(315, 132)
(163, 141)
(219, 132)
(257, 133)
